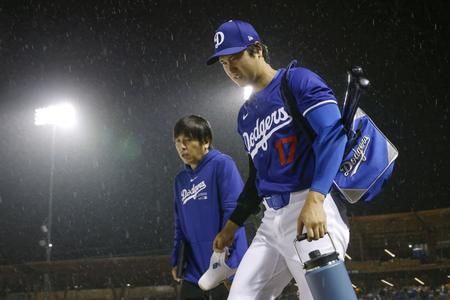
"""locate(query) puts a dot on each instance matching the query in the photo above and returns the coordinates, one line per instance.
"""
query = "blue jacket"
(204, 199)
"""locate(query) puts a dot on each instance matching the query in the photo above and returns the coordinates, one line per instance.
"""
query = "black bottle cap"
(319, 260)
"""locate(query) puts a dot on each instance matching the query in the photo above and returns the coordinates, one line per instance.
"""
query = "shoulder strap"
(291, 105)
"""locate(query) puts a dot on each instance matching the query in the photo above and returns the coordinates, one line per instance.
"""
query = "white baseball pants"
(271, 261)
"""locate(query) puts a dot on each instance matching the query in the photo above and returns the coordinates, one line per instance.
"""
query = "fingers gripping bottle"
(326, 275)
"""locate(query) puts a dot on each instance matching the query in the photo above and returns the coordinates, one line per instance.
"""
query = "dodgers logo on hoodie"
(194, 193)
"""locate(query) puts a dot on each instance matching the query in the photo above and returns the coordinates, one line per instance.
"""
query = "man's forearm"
(248, 201)
(230, 226)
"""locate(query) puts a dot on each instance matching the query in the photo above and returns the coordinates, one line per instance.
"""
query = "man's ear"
(260, 49)
(206, 145)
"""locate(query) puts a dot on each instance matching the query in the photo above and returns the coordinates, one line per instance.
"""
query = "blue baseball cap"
(233, 37)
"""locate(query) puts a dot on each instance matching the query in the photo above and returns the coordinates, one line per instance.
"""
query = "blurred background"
(131, 69)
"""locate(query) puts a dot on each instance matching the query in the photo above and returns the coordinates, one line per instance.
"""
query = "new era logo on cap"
(232, 37)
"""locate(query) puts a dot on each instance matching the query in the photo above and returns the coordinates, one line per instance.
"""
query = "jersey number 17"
(288, 143)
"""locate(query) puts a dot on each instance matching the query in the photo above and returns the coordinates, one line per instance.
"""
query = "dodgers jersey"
(204, 199)
(284, 158)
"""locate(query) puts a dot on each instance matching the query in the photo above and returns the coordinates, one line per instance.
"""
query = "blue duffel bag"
(369, 156)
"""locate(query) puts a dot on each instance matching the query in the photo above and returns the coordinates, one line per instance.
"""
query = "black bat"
(355, 84)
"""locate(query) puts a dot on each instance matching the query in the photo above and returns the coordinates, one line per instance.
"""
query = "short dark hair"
(253, 50)
(194, 127)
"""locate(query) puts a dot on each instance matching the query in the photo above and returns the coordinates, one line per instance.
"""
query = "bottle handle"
(301, 237)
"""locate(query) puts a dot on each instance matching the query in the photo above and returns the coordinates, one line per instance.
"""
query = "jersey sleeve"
(317, 103)
(309, 90)
(328, 146)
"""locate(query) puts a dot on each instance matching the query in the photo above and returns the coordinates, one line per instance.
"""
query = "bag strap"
(356, 83)
(291, 104)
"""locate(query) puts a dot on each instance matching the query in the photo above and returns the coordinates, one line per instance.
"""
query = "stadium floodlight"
(419, 281)
(248, 90)
(61, 115)
(387, 282)
(389, 252)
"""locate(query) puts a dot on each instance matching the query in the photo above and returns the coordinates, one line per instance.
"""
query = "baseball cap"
(232, 37)
(217, 272)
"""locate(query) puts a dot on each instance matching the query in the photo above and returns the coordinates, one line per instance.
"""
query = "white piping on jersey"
(318, 104)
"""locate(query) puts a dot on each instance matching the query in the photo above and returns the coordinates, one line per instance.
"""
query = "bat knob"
(356, 71)
(364, 82)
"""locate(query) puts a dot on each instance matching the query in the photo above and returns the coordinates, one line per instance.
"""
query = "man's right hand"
(225, 237)
(174, 275)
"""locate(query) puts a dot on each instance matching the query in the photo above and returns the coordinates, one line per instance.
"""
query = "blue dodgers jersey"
(204, 199)
(282, 155)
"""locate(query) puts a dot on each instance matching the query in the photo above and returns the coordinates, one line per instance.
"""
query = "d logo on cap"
(218, 38)
(238, 34)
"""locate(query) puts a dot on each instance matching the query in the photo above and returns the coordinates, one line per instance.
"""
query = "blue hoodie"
(204, 199)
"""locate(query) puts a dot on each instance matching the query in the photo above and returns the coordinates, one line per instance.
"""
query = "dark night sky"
(133, 68)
